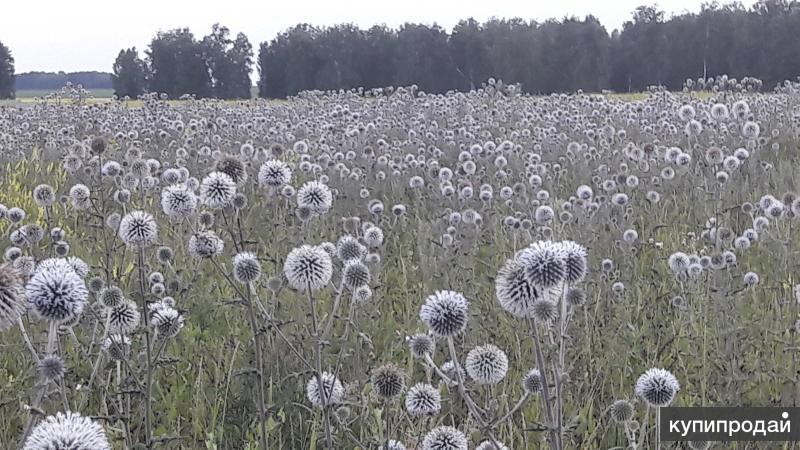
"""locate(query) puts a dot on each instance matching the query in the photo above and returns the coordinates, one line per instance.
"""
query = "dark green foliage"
(177, 65)
(6, 72)
(130, 74)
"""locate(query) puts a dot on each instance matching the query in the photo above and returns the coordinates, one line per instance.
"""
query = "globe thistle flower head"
(56, 293)
(487, 364)
(388, 380)
(362, 294)
(355, 274)
(445, 313)
(316, 196)
(421, 345)
(165, 255)
(233, 167)
(246, 268)
(44, 195)
(699, 445)
(514, 290)
(167, 321)
(422, 399)
(80, 197)
(205, 244)
(489, 445)
(274, 174)
(308, 267)
(545, 264)
(217, 190)
(349, 249)
(123, 318)
(111, 296)
(117, 346)
(394, 445)
(67, 431)
(544, 310)
(532, 381)
(678, 262)
(50, 368)
(444, 438)
(575, 296)
(12, 296)
(575, 261)
(657, 387)
(621, 411)
(138, 229)
(178, 201)
(453, 371)
(373, 237)
(332, 390)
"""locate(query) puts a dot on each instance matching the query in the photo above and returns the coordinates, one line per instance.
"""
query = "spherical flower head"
(233, 167)
(575, 296)
(389, 380)
(657, 387)
(532, 381)
(67, 431)
(79, 266)
(355, 274)
(449, 370)
(514, 290)
(246, 267)
(331, 387)
(575, 260)
(373, 237)
(621, 411)
(12, 296)
(545, 264)
(444, 438)
(205, 244)
(750, 279)
(308, 267)
(111, 296)
(487, 364)
(544, 311)
(50, 368)
(423, 400)
(80, 196)
(699, 445)
(165, 255)
(167, 321)
(123, 318)
(489, 445)
(178, 201)
(678, 262)
(316, 196)
(217, 190)
(349, 249)
(394, 445)
(44, 195)
(56, 293)
(445, 313)
(117, 346)
(274, 173)
(421, 345)
(138, 229)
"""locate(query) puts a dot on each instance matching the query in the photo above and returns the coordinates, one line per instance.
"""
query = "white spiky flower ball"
(331, 387)
(178, 201)
(422, 399)
(217, 190)
(274, 173)
(138, 229)
(445, 313)
(514, 290)
(67, 431)
(56, 293)
(545, 263)
(444, 438)
(246, 267)
(308, 267)
(123, 318)
(657, 387)
(487, 364)
(315, 196)
(205, 244)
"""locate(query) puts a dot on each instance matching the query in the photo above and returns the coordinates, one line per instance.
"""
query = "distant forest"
(55, 81)
(761, 41)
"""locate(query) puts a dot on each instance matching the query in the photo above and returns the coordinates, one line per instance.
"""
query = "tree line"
(564, 55)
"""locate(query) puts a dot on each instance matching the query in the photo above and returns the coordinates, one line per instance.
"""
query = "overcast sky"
(74, 35)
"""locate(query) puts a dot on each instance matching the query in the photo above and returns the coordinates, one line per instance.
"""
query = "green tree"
(177, 65)
(6, 72)
(130, 74)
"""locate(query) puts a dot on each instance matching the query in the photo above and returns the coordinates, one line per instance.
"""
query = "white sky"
(74, 35)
